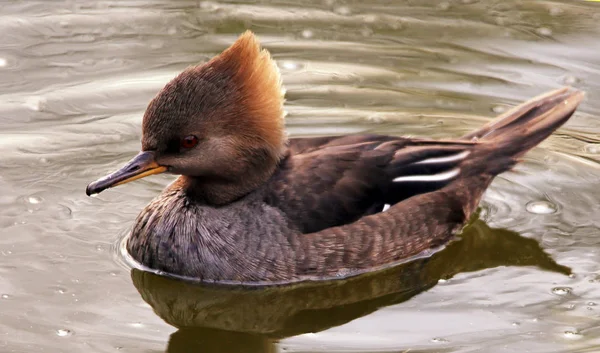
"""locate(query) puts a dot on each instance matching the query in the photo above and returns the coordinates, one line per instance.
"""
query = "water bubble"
(64, 332)
(516, 323)
(370, 18)
(396, 25)
(498, 109)
(541, 207)
(342, 10)
(307, 33)
(137, 324)
(439, 340)
(591, 304)
(290, 65)
(207, 5)
(555, 11)
(551, 159)
(156, 44)
(570, 80)
(5, 296)
(366, 32)
(544, 31)
(64, 212)
(86, 37)
(3, 62)
(573, 334)
(377, 118)
(34, 200)
(36, 103)
(443, 6)
(592, 148)
(562, 290)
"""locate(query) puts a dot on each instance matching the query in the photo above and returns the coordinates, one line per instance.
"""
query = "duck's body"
(252, 206)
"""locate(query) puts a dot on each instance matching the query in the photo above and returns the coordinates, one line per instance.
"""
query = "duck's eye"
(189, 141)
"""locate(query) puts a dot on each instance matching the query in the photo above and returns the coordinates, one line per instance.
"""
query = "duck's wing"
(428, 220)
(331, 181)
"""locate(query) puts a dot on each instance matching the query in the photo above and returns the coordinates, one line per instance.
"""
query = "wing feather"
(330, 181)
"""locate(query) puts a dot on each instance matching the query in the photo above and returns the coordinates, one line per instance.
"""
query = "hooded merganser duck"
(252, 206)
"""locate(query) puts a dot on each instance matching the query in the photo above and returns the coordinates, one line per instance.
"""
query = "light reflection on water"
(76, 77)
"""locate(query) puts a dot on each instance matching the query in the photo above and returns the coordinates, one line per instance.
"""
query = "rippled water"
(76, 77)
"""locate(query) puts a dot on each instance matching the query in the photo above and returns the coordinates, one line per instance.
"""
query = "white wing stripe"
(429, 178)
(452, 158)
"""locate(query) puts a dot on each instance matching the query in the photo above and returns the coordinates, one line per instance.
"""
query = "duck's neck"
(220, 190)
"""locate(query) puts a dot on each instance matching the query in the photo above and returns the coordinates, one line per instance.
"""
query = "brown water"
(76, 76)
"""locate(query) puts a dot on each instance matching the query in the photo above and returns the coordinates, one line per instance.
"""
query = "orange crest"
(262, 94)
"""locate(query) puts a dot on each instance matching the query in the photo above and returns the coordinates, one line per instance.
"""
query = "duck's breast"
(244, 241)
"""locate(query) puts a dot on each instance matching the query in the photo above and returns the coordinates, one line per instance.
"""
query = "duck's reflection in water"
(235, 319)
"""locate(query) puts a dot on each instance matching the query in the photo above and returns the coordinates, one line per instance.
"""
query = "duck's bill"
(140, 166)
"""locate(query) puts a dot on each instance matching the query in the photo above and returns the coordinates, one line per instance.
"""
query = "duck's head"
(218, 123)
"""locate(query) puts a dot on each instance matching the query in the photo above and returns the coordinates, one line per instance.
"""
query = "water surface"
(77, 76)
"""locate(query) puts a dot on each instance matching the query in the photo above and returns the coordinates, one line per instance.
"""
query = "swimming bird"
(252, 206)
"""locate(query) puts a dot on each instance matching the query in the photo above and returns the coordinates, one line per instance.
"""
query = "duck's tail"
(505, 139)
(523, 127)
(428, 165)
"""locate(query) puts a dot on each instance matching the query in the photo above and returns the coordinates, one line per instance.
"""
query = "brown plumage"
(251, 206)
